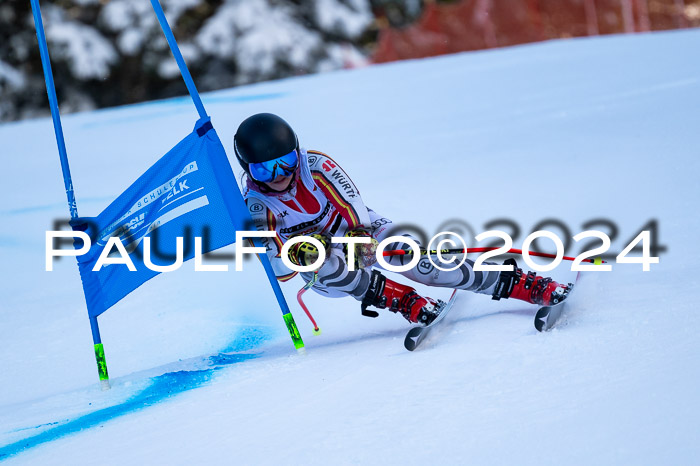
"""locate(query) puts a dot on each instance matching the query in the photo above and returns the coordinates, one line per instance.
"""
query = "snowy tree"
(113, 52)
(254, 40)
(18, 90)
(12, 82)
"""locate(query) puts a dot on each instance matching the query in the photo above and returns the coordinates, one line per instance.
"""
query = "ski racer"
(294, 191)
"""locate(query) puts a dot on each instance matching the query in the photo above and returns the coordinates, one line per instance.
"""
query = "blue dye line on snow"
(210, 99)
(39, 426)
(243, 98)
(184, 102)
(57, 205)
(162, 388)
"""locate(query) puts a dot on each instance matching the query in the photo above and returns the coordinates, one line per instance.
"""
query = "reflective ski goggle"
(268, 171)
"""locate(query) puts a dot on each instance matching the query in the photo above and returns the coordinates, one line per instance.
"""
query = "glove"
(365, 254)
(304, 253)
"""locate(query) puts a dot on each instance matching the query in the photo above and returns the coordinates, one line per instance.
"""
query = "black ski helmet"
(263, 137)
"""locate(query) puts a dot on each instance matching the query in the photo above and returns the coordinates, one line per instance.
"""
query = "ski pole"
(404, 252)
(317, 330)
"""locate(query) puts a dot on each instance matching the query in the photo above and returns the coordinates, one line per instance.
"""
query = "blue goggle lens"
(268, 171)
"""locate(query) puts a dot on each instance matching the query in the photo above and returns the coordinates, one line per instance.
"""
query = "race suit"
(323, 199)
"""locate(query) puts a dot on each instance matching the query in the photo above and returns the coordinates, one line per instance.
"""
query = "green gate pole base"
(294, 333)
(102, 366)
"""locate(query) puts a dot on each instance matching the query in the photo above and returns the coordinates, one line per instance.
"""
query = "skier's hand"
(307, 253)
(365, 254)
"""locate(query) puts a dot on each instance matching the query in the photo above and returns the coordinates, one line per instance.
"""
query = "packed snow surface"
(202, 368)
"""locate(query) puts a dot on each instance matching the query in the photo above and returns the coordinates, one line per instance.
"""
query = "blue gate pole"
(184, 71)
(68, 183)
(189, 82)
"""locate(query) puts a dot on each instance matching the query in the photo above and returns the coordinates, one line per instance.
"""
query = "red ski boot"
(530, 288)
(383, 292)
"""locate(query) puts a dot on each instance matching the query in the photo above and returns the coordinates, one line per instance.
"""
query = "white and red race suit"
(323, 199)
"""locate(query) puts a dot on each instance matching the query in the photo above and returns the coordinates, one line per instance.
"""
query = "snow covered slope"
(202, 369)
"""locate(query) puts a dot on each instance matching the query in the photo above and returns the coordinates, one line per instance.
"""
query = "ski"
(417, 334)
(547, 317)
